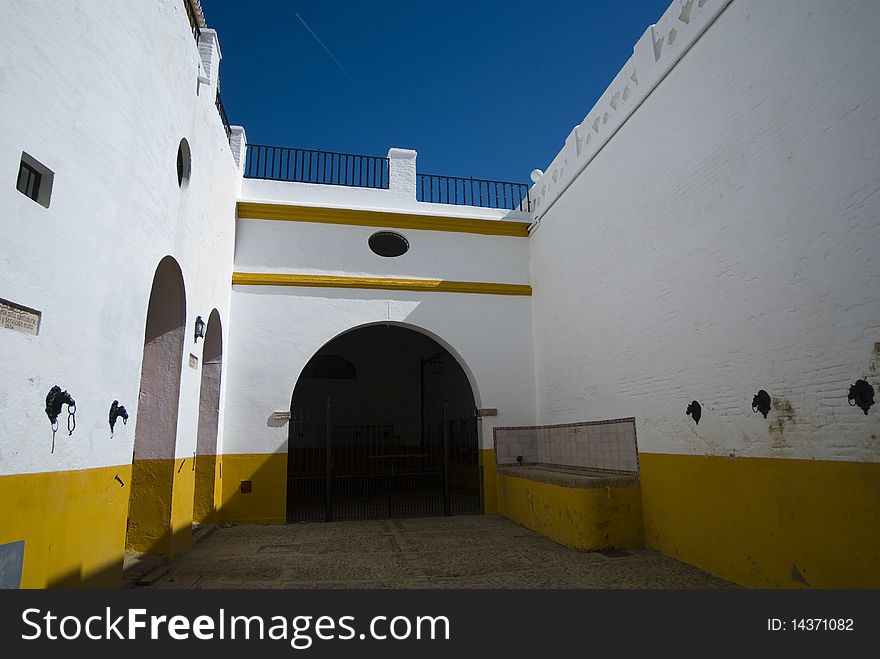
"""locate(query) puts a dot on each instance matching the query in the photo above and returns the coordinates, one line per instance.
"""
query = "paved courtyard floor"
(481, 551)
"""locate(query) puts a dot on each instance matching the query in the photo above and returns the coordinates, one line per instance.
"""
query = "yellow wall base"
(766, 522)
(161, 506)
(267, 501)
(757, 522)
(583, 518)
(149, 506)
(490, 487)
(182, 506)
(204, 508)
(72, 523)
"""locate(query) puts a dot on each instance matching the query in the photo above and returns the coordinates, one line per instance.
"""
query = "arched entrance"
(383, 424)
(152, 473)
(209, 415)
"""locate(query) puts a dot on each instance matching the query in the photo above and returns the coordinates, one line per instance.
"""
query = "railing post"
(402, 172)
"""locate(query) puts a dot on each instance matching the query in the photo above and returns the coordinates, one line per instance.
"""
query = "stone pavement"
(480, 551)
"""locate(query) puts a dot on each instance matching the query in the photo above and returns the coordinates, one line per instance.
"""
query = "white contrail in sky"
(326, 50)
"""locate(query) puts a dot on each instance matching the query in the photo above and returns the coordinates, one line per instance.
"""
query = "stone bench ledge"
(571, 478)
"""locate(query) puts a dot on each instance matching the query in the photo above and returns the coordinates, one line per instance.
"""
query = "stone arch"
(152, 478)
(472, 380)
(393, 434)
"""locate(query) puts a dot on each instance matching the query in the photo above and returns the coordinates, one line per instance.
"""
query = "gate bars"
(374, 467)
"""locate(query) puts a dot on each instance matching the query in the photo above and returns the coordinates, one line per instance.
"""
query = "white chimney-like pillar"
(238, 142)
(402, 172)
(209, 51)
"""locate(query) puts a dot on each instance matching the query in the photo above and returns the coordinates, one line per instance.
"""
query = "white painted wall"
(717, 233)
(278, 329)
(102, 92)
(333, 249)
(654, 55)
(726, 239)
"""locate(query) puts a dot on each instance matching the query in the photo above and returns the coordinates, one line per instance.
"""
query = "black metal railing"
(219, 103)
(193, 20)
(461, 191)
(280, 163)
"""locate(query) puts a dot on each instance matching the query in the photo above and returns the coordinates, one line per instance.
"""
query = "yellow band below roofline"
(381, 283)
(380, 219)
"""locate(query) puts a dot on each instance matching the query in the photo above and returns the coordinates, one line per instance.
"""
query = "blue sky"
(488, 89)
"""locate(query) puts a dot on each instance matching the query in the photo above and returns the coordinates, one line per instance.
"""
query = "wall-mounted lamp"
(200, 329)
(437, 364)
(861, 394)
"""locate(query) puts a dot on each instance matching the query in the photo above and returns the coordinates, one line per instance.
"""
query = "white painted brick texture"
(725, 240)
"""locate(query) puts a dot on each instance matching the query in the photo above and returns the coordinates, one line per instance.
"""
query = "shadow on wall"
(156, 478)
(106, 577)
(72, 528)
(163, 494)
(84, 574)
(169, 493)
(204, 511)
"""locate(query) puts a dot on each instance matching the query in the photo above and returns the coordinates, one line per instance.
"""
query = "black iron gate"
(344, 466)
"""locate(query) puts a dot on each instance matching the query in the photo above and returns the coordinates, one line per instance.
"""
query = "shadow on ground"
(481, 551)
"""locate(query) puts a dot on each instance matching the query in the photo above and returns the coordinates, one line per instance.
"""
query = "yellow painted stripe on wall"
(161, 506)
(381, 219)
(766, 522)
(490, 492)
(382, 283)
(755, 521)
(72, 524)
(149, 507)
(182, 502)
(204, 499)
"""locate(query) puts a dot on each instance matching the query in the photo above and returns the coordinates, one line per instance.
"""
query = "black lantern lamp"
(200, 329)
(437, 363)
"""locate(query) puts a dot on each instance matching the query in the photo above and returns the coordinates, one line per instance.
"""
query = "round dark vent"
(184, 163)
(388, 243)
